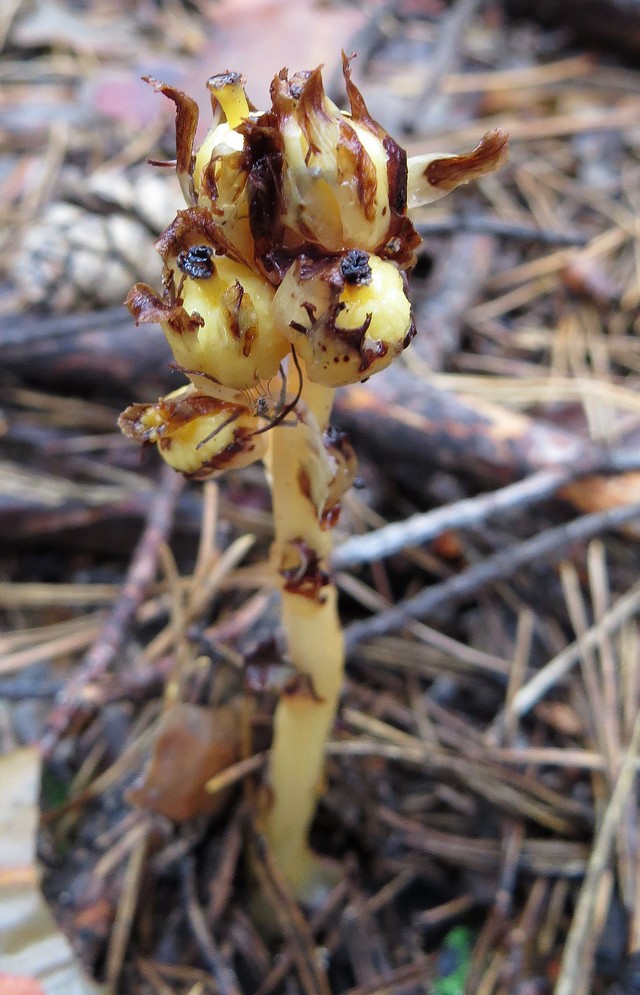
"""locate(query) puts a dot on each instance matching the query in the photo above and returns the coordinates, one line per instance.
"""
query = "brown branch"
(100, 348)
(486, 224)
(551, 545)
(422, 528)
(140, 575)
(404, 421)
(225, 979)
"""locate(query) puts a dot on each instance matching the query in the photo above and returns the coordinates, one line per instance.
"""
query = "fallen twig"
(226, 981)
(551, 544)
(422, 528)
(574, 972)
(488, 225)
(140, 575)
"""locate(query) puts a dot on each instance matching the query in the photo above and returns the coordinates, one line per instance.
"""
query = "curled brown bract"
(231, 442)
(186, 124)
(490, 154)
(305, 576)
(147, 306)
(241, 448)
(174, 413)
(191, 227)
(359, 110)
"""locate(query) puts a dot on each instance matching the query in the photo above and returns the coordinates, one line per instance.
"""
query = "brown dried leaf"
(192, 745)
(489, 155)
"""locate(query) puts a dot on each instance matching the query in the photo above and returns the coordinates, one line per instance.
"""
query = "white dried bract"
(335, 188)
(435, 174)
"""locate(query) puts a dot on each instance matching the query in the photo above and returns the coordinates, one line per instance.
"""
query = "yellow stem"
(306, 710)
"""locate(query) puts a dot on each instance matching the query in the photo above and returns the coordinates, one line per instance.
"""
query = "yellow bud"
(219, 174)
(237, 344)
(215, 312)
(347, 318)
(196, 434)
(227, 92)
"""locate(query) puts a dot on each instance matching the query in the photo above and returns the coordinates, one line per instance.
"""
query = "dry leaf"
(193, 744)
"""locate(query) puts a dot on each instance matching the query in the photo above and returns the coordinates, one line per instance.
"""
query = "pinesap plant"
(284, 278)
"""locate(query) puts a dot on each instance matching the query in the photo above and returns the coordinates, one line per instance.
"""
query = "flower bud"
(342, 176)
(347, 318)
(216, 313)
(237, 344)
(196, 434)
(220, 174)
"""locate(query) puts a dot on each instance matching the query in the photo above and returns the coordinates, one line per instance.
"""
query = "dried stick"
(421, 528)
(292, 923)
(424, 527)
(319, 921)
(531, 692)
(573, 968)
(551, 544)
(487, 224)
(140, 575)
(127, 905)
(226, 981)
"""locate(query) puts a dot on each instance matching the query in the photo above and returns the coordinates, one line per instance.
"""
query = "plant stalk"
(307, 707)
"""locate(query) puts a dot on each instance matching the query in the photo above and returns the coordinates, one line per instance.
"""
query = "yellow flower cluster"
(295, 239)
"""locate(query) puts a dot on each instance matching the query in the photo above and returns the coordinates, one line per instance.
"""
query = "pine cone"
(84, 254)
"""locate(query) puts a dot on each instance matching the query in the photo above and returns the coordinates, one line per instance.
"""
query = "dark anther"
(355, 267)
(196, 262)
(223, 79)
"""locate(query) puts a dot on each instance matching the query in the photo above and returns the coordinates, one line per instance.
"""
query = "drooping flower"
(215, 312)
(196, 434)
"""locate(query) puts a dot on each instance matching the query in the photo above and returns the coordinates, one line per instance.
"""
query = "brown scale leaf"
(148, 306)
(186, 125)
(490, 153)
